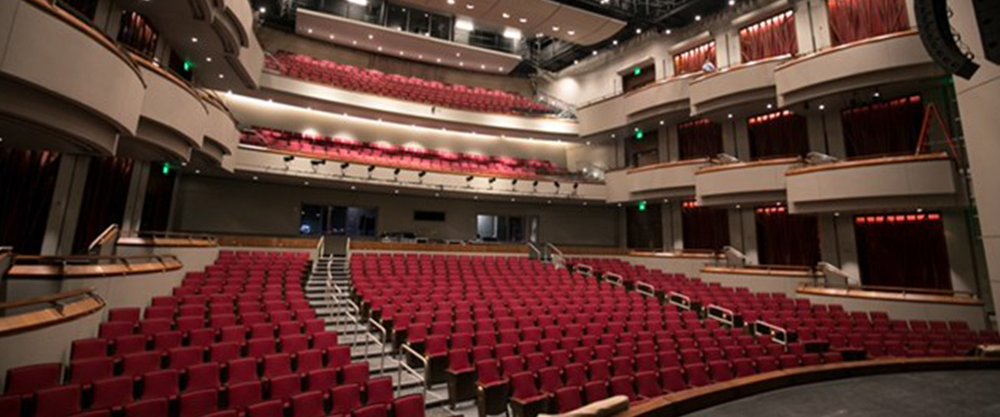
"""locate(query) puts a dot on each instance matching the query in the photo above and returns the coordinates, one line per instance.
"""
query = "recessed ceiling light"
(255, 178)
(732, 2)
(638, 31)
(332, 37)
(470, 6)
(506, 15)
(305, 183)
(451, 1)
(661, 122)
(614, 42)
(262, 10)
(667, 32)
(222, 76)
(730, 115)
(309, 30)
(571, 32)
(522, 20)
(482, 66)
(194, 40)
(588, 143)
(769, 106)
(421, 56)
(461, 63)
(439, 60)
(501, 69)
(208, 59)
(576, 61)
(697, 18)
(458, 54)
(370, 36)
(380, 49)
(555, 28)
(197, 171)
(822, 106)
(594, 52)
(354, 42)
(400, 53)
(354, 188)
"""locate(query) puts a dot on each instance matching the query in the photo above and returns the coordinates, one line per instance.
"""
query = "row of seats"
(380, 154)
(404, 88)
(238, 339)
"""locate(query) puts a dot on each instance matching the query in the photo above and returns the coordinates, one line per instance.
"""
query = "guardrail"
(645, 288)
(613, 279)
(778, 334)
(69, 267)
(108, 236)
(724, 315)
(53, 309)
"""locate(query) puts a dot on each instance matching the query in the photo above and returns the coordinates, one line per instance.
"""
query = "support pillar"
(136, 199)
(64, 212)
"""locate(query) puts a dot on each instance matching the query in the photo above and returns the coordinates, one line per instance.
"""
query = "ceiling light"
(222, 76)
(522, 20)
(594, 52)
(458, 54)
(358, 2)
(588, 143)
(822, 106)
(197, 171)
(461, 63)
(194, 40)
(482, 66)
(370, 36)
(332, 37)
(380, 49)
(697, 18)
(732, 2)
(730, 115)
(255, 178)
(400, 53)
(571, 32)
(501, 69)
(512, 33)
(638, 31)
(576, 61)
(769, 106)
(470, 6)
(208, 59)
(421, 56)
(506, 15)
(439, 60)
(354, 42)
(667, 32)
(309, 30)
(555, 28)
(262, 10)
(451, 1)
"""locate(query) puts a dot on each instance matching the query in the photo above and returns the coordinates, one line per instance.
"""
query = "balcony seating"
(403, 88)
(343, 150)
(238, 339)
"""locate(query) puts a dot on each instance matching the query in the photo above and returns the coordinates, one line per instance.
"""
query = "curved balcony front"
(66, 79)
(881, 60)
(744, 182)
(260, 161)
(670, 179)
(663, 97)
(739, 86)
(904, 183)
(173, 120)
(221, 134)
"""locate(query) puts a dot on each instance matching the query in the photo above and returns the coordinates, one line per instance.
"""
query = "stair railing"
(556, 255)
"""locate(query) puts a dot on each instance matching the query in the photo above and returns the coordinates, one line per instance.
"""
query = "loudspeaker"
(988, 17)
(935, 33)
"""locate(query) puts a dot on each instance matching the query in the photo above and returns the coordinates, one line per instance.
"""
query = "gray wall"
(206, 204)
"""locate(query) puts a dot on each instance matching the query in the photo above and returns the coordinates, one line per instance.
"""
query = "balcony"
(743, 183)
(173, 120)
(904, 182)
(261, 161)
(671, 179)
(875, 61)
(662, 97)
(221, 135)
(734, 87)
(66, 79)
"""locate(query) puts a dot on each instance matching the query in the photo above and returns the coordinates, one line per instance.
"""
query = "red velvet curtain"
(104, 199)
(693, 59)
(699, 139)
(27, 181)
(890, 127)
(770, 37)
(784, 239)
(778, 134)
(854, 20)
(903, 250)
(703, 227)
(137, 34)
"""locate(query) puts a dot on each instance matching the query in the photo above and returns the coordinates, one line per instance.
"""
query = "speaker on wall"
(988, 18)
(935, 33)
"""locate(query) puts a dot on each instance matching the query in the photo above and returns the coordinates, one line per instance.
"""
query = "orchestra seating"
(545, 339)
(399, 87)
(238, 339)
(382, 154)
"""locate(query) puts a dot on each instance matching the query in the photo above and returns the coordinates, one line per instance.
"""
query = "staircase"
(328, 290)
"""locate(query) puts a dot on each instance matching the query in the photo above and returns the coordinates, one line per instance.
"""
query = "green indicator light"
(642, 205)
(188, 66)
(166, 168)
(639, 135)
(637, 71)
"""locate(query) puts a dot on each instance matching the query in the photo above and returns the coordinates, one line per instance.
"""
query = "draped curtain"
(104, 199)
(854, 20)
(693, 59)
(770, 37)
(890, 127)
(778, 134)
(703, 227)
(137, 34)
(644, 229)
(699, 139)
(903, 250)
(156, 205)
(784, 239)
(27, 182)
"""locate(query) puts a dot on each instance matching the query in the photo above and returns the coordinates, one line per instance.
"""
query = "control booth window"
(638, 77)
(509, 229)
(316, 220)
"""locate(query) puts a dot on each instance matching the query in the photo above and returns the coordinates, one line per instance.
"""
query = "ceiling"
(531, 17)
(383, 40)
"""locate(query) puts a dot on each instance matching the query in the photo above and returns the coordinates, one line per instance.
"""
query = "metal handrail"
(403, 351)
(535, 249)
(723, 315)
(777, 333)
(679, 300)
(110, 234)
(645, 288)
(613, 279)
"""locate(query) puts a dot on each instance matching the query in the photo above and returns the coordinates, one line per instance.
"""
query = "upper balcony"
(346, 89)
(174, 118)
(669, 179)
(65, 78)
(219, 34)
(741, 85)
(221, 134)
(870, 62)
(744, 182)
(660, 98)
(904, 182)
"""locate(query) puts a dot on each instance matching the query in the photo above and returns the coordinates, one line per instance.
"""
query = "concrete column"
(677, 219)
(621, 155)
(960, 251)
(742, 139)
(978, 101)
(727, 49)
(743, 232)
(835, 145)
(820, 21)
(60, 228)
(729, 137)
(673, 142)
(663, 144)
(816, 132)
(911, 14)
(837, 243)
(622, 228)
(803, 27)
(673, 229)
(136, 199)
